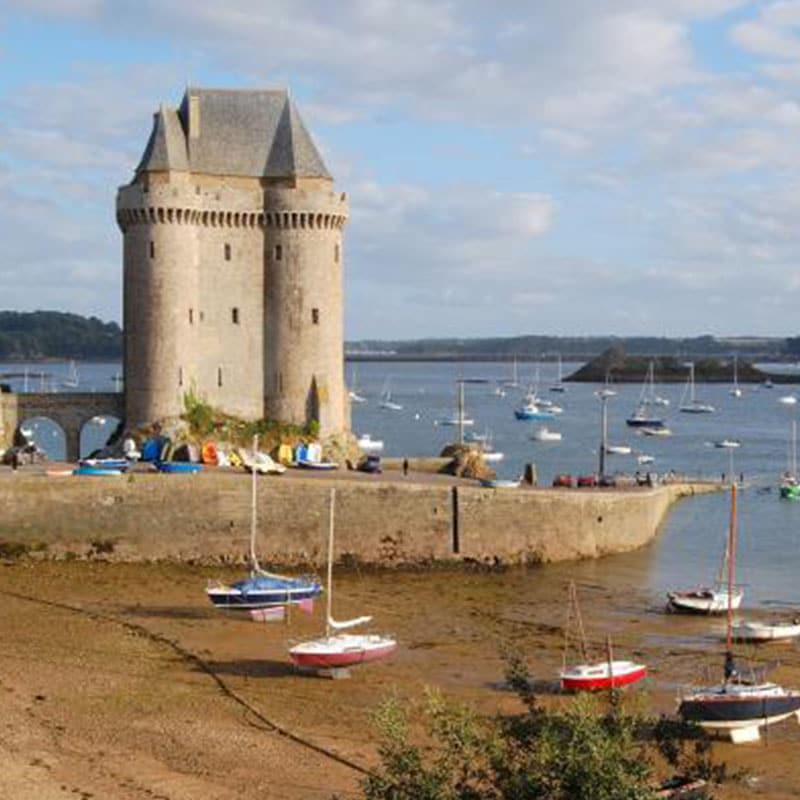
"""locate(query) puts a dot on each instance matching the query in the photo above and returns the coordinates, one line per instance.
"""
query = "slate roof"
(239, 132)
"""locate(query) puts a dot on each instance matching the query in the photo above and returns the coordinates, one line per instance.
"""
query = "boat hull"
(241, 597)
(595, 677)
(178, 467)
(521, 413)
(719, 710)
(703, 601)
(343, 650)
(644, 422)
(765, 632)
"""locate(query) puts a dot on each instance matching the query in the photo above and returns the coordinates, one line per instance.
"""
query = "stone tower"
(232, 265)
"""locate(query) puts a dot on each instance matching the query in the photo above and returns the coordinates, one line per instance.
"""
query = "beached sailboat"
(759, 631)
(694, 406)
(261, 589)
(592, 675)
(708, 599)
(338, 650)
(642, 416)
(736, 707)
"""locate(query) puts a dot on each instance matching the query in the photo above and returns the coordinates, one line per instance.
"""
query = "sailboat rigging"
(386, 399)
(337, 650)
(790, 486)
(734, 706)
(586, 676)
(642, 417)
(353, 393)
(736, 390)
(261, 589)
(694, 406)
(558, 386)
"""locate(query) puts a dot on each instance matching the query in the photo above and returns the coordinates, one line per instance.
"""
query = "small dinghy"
(755, 631)
(728, 444)
(618, 450)
(120, 464)
(96, 471)
(304, 463)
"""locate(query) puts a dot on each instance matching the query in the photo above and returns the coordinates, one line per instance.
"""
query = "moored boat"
(736, 707)
(337, 650)
(607, 673)
(756, 631)
(544, 434)
(602, 675)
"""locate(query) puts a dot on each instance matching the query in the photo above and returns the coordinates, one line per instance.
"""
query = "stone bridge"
(71, 411)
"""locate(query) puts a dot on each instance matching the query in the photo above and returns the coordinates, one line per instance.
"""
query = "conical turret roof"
(250, 133)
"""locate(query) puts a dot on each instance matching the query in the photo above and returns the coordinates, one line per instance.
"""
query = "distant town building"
(232, 260)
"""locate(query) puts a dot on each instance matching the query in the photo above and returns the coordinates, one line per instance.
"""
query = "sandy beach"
(121, 681)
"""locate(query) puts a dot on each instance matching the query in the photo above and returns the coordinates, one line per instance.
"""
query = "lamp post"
(603, 394)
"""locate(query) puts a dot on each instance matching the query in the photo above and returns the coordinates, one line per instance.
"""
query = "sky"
(562, 167)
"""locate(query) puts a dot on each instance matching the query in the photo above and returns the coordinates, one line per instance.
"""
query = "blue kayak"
(184, 467)
(85, 470)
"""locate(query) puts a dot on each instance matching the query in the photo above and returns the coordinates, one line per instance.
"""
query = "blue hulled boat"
(262, 590)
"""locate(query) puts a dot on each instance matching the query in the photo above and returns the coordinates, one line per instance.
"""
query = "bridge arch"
(69, 411)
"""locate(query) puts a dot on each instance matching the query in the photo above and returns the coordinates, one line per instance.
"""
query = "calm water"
(689, 548)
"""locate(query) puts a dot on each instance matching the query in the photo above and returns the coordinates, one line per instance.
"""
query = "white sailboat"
(386, 402)
(709, 599)
(735, 389)
(337, 650)
(558, 386)
(72, 381)
(353, 393)
(514, 382)
(694, 406)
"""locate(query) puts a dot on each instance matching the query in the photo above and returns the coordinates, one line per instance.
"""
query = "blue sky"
(557, 167)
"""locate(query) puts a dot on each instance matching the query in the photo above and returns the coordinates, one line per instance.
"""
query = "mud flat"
(120, 680)
(383, 521)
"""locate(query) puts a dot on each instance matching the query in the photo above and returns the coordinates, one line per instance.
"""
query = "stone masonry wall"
(206, 518)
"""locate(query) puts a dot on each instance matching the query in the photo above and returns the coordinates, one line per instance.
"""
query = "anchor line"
(194, 659)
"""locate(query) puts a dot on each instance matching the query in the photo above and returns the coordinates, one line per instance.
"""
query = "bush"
(577, 750)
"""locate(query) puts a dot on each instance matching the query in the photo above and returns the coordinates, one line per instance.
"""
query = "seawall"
(206, 519)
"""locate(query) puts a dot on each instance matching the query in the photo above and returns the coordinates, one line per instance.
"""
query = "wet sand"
(121, 681)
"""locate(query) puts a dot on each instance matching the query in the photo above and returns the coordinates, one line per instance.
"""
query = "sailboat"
(337, 650)
(558, 386)
(353, 393)
(790, 486)
(641, 417)
(514, 382)
(586, 676)
(735, 389)
(386, 402)
(708, 599)
(73, 379)
(261, 589)
(734, 706)
(694, 406)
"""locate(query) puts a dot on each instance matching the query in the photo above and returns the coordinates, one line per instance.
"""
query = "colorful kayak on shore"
(178, 467)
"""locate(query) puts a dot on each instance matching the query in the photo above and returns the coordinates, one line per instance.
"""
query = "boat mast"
(731, 568)
(329, 598)
(793, 465)
(254, 565)
(461, 411)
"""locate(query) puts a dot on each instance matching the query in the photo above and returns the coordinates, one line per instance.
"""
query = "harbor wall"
(206, 519)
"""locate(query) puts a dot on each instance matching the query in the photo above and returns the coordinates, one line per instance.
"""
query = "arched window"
(227, 252)
(235, 316)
